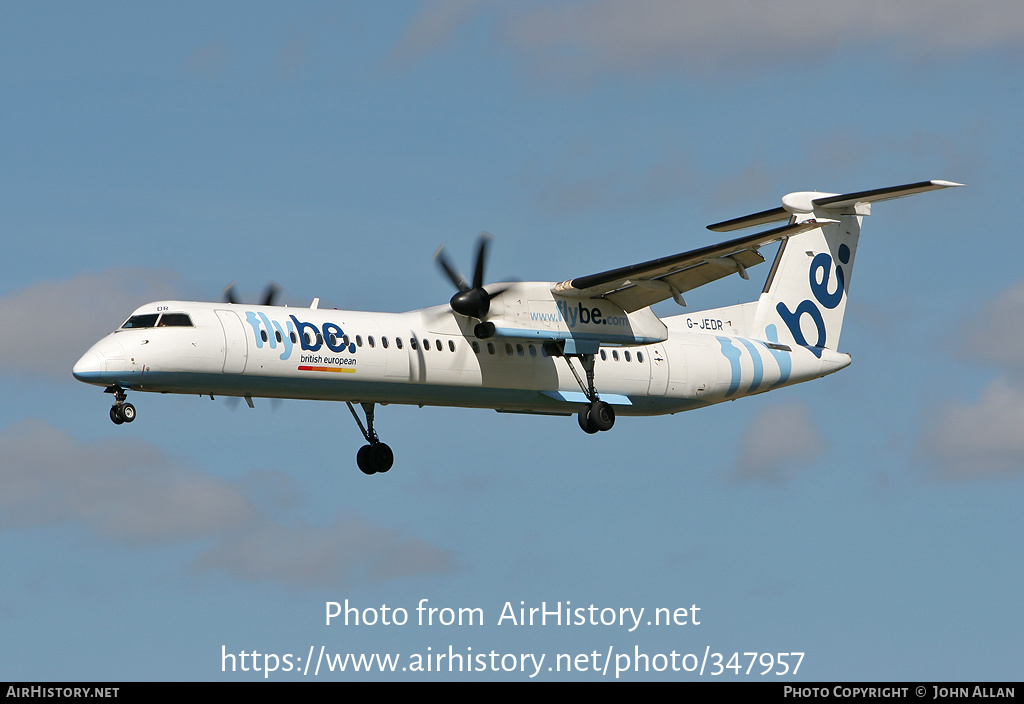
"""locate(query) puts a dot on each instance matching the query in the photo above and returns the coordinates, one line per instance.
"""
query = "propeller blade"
(481, 260)
(453, 274)
(270, 293)
(472, 302)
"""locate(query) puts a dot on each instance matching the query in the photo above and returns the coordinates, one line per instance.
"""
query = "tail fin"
(804, 299)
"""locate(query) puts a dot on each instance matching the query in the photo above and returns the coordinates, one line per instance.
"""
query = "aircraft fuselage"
(425, 357)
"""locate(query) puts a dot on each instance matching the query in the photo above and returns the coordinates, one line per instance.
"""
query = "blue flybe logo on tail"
(821, 264)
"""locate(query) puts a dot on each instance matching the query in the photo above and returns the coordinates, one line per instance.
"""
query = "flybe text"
(587, 316)
(295, 333)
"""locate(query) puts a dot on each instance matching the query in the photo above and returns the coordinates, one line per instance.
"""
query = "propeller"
(472, 301)
(269, 294)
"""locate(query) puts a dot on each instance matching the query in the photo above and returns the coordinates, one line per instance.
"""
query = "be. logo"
(820, 277)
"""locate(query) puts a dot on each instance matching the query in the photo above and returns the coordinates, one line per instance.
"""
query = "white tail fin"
(804, 299)
(805, 296)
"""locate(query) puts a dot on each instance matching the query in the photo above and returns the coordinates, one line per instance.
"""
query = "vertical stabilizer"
(804, 299)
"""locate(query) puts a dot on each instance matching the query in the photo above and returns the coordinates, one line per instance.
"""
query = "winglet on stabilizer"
(810, 201)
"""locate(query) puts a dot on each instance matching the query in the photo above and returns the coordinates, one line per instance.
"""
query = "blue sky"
(150, 151)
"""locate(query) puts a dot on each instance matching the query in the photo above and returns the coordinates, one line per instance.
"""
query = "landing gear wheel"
(601, 415)
(585, 423)
(115, 415)
(383, 457)
(363, 460)
(375, 459)
(128, 412)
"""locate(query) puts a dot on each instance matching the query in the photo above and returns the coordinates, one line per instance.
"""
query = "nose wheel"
(121, 412)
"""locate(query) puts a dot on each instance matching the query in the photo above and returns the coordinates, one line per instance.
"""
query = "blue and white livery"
(589, 346)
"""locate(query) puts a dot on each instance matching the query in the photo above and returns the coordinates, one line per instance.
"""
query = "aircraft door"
(236, 350)
(658, 363)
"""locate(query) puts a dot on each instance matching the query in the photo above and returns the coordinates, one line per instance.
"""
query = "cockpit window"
(149, 320)
(141, 321)
(175, 320)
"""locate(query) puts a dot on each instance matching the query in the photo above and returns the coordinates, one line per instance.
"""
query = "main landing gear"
(121, 412)
(595, 415)
(375, 457)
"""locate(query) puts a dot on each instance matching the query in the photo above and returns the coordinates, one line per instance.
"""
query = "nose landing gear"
(121, 412)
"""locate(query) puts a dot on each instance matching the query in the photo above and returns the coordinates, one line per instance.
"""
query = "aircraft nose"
(88, 368)
(100, 363)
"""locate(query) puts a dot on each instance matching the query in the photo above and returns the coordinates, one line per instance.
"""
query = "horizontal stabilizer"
(880, 194)
(807, 202)
(762, 218)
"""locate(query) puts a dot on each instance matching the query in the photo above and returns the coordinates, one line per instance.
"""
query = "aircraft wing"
(641, 285)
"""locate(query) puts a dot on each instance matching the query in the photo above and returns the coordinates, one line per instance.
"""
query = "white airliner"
(590, 346)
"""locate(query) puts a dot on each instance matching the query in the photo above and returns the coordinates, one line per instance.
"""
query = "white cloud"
(348, 550)
(578, 39)
(978, 440)
(651, 34)
(778, 442)
(996, 334)
(132, 493)
(127, 491)
(62, 319)
(437, 26)
(984, 438)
